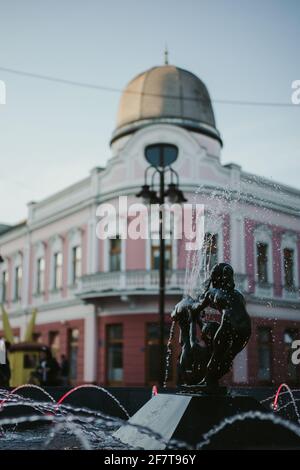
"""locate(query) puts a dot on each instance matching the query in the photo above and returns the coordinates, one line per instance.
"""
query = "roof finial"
(166, 55)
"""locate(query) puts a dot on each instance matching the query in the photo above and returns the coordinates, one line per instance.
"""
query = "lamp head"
(149, 196)
(174, 194)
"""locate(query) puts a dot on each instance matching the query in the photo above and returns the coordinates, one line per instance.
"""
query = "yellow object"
(24, 356)
(30, 327)
(17, 370)
(8, 333)
(24, 359)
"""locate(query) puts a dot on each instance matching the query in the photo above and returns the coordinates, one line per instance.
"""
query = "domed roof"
(166, 94)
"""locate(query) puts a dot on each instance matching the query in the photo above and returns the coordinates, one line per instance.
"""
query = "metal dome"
(166, 94)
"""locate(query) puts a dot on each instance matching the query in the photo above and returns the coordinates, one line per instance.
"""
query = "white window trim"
(263, 234)
(39, 252)
(289, 240)
(56, 245)
(174, 253)
(17, 261)
(216, 228)
(92, 247)
(209, 227)
(112, 234)
(75, 239)
(107, 253)
(148, 252)
(237, 243)
(123, 254)
(4, 268)
(174, 243)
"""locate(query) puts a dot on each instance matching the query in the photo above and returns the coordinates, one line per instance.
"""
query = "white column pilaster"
(26, 272)
(237, 243)
(90, 347)
(240, 367)
(93, 244)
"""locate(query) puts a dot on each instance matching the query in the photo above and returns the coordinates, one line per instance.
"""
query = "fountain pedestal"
(187, 417)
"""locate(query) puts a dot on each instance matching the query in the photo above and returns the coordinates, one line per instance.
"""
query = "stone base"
(187, 417)
(203, 390)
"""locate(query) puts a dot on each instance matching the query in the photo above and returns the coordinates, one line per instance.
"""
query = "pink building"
(97, 299)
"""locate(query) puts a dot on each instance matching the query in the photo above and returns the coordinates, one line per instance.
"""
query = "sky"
(53, 134)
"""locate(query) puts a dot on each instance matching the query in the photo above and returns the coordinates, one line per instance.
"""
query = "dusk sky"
(53, 134)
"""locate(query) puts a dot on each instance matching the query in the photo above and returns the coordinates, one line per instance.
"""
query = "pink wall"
(181, 254)
(136, 254)
(136, 257)
(184, 256)
(277, 232)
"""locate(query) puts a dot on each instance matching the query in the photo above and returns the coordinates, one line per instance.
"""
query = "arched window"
(210, 250)
(18, 282)
(17, 277)
(40, 271)
(74, 256)
(289, 268)
(40, 267)
(289, 263)
(4, 281)
(76, 263)
(115, 250)
(155, 254)
(56, 263)
(263, 260)
(58, 267)
(154, 242)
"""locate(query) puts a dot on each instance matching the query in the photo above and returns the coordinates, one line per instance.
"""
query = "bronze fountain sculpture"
(197, 413)
(204, 362)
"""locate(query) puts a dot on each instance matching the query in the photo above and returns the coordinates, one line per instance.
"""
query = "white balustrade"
(121, 281)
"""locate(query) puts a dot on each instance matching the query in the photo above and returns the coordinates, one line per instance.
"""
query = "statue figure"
(205, 364)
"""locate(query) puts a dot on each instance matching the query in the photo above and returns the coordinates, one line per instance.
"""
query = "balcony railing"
(119, 282)
(128, 281)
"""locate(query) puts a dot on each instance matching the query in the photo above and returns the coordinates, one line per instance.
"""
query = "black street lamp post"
(160, 157)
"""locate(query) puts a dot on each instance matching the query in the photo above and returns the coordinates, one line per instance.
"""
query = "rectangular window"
(73, 345)
(4, 286)
(292, 369)
(18, 282)
(115, 254)
(54, 343)
(288, 265)
(40, 285)
(76, 263)
(58, 265)
(210, 249)
(152, 353)
(262, 262)
(264, 337)
(114, 354)
(155, 254)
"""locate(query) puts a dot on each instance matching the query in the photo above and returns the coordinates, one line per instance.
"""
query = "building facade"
(97, 299)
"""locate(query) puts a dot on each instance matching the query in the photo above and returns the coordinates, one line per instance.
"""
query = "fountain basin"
(190, 417)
